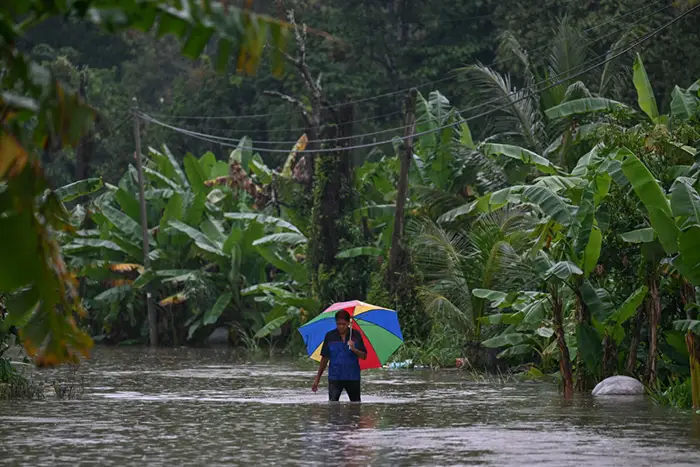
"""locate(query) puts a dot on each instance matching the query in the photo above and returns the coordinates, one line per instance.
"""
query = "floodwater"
(205, 407)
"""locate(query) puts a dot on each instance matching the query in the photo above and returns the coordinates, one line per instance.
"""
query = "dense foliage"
(559, 229)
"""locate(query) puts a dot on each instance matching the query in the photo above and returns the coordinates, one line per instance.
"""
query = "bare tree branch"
(296, 102)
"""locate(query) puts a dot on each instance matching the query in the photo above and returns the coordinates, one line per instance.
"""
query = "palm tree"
(527, 117)
(484, 253)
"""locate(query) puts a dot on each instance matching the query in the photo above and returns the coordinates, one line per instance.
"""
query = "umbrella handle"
(350, 338)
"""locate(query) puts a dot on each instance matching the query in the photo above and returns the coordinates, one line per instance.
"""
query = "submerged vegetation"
(551, 225)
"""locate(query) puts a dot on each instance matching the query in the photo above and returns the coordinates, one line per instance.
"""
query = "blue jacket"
(344, 364)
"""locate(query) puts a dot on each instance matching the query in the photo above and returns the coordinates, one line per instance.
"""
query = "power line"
(639, 41)
(450, 76)
(236, 141)
(299, 129)
(374, 117)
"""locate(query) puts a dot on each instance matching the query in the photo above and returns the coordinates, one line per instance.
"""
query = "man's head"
(342, 321)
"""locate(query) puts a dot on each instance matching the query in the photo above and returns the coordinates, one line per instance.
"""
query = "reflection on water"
(203, 407)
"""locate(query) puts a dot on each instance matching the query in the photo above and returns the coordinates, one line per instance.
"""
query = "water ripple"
(206, 407)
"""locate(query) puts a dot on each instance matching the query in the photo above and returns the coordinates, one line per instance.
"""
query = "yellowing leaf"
(173, 299)
(13, 157)
(126, 267)
(291, 159)
(301, 143)
(119, 282)
(217, 181)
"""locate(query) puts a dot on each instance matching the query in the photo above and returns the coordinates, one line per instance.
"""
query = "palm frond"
(568, 55)
(436, 201)
(613, 79)
(496, 243)
(486, 252)
(438, 252)
(489, 175)
(446, 300)
(577, 90)
(513, 110)
(509, 47)
(565, 58)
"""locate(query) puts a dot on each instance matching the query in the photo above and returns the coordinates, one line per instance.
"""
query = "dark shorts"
(335, 389)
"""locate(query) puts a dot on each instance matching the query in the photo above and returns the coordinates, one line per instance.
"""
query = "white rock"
(218, 337)
(618, 386)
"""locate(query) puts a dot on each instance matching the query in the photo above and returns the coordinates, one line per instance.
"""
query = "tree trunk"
(304, 168)
(654, 309)
(564, 357)
(692, 342)
(331, 199)
(631, 365)
(609, 357)
(397, 252)
(583, 317)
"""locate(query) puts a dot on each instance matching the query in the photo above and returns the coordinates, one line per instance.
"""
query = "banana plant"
(31, 255)
(684, 102)
(375, 183)
(447, 168)
(529, 326)
(113, 246)
(674, 219)
(273, 248)
(204, 248)
(532, 325)
(545, 314)
(570, 227)
(255, 243)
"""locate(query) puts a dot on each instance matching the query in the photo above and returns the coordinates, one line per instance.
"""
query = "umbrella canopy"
(378, 326)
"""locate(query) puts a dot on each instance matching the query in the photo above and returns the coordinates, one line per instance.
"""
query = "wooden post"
(152, 317)
(396, 253)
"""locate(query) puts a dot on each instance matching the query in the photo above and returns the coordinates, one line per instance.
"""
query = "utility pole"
(152, 318)
(84, 149)
(397, 252)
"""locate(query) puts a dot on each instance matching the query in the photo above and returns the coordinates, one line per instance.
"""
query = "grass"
(676, 394)
(434, 356)
(72, 386)
(15, 385)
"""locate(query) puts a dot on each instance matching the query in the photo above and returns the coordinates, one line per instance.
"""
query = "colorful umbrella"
(378, 326)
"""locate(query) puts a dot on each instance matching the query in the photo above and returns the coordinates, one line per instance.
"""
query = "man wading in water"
(344, 349)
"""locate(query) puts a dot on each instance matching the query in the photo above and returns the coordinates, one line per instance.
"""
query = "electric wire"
(609, 58)
(450, 76)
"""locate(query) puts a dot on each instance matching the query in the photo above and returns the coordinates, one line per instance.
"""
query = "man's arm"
(325, 354)
(321, 369)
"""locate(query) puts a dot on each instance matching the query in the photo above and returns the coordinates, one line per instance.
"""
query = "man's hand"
(361, 354)
(321, 369)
